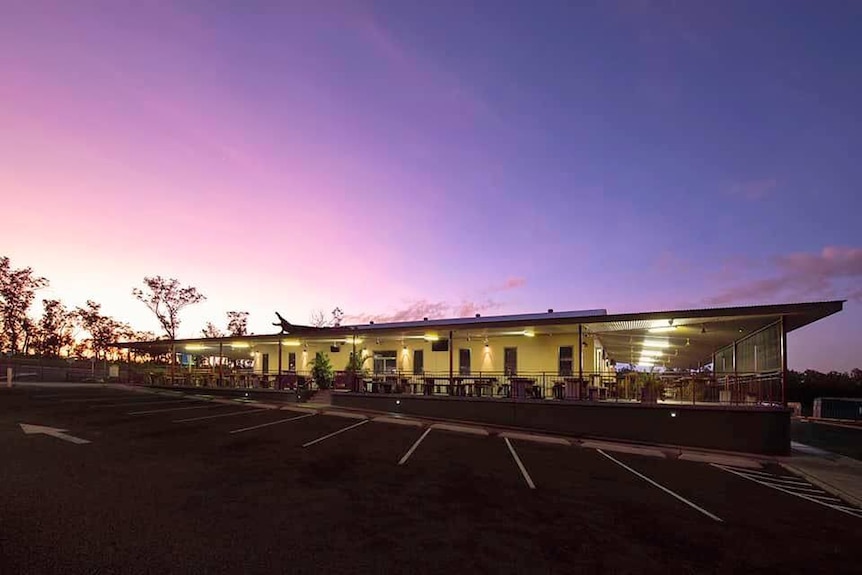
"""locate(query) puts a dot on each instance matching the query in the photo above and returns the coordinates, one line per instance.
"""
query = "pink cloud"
(513, 283)
(804, 275)
(422, 308)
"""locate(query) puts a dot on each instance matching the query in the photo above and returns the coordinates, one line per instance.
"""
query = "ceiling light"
(650, 352)
(291, 342)
(529, 333)
(659, 343)
(431, 337)
(239, 345)
(661, 328)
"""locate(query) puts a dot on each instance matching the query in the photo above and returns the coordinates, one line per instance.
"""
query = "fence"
(59, 370)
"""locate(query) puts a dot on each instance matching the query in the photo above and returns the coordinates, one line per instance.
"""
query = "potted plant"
(355, 371)
(321, 371)
(652, 389)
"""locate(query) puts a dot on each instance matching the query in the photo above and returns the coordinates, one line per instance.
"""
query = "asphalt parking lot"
(143, 482)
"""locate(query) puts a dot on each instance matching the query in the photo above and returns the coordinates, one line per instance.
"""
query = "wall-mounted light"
(431, 337)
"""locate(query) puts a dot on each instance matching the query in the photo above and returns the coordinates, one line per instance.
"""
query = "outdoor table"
(521, 385)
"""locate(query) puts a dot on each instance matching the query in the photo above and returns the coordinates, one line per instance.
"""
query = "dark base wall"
(764, 431)
(251, 393)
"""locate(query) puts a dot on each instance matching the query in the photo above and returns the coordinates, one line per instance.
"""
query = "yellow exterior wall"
(535, 354)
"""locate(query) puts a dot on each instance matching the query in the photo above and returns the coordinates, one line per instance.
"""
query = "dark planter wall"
(765, 431)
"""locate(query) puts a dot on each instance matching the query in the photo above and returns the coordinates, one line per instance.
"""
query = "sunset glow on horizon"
(436, 159)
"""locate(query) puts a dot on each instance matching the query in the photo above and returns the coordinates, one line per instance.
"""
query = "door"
(291, 361)
(418, 362)
(510, 360)
(264, 363)
(464, 361)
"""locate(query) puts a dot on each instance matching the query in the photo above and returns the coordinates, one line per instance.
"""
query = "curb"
(721, 459)
(536, 438)
(460, 429)
(398, 421)
(624, 448)
(344, 414)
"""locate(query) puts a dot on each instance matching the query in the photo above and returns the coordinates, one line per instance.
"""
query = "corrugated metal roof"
(482, 320)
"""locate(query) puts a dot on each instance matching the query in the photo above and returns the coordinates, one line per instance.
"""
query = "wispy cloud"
(512, 283)
(804, 275)
(753, 190)
(423, 308)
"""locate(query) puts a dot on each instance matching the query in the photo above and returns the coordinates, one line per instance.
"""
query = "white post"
(8, 377)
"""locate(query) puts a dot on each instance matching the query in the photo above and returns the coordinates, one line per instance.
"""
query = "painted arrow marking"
(52, 431)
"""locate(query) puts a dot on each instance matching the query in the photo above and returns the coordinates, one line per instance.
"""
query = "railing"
(755, 390)
(747, 389)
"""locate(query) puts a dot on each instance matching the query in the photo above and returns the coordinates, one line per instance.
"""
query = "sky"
(404, 159)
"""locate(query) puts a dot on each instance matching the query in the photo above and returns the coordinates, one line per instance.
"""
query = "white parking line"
(334, 433)
(523, 469)
(783, 488)
(273, 423)
(413, 447)
(149, 411)
(221, 415)
(662, 487)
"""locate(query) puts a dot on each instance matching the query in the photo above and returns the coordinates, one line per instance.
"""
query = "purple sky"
(437, 158)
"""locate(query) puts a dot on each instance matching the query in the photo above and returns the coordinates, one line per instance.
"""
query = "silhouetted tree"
(55, 328)
(17, 292)
(104, 330)
(211, 330)
(237, 322)
(319, 319)
(804, 387)
(166, 298)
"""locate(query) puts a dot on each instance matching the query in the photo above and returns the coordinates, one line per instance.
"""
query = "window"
(264, 361)
(567, 355)
(385, 362)
(334, 349)
(464, 361)
(291, 361)
(440, 345)
(418, 362)
(510, 360)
